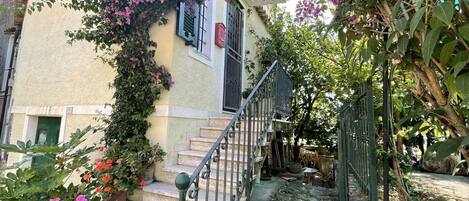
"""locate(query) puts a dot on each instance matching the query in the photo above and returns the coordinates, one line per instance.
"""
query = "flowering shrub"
(46, 180)
(119, 170)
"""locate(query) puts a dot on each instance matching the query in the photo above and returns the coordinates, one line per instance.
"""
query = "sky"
(290, 5)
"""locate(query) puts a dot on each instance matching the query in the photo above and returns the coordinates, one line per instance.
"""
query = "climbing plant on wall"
(119, 29)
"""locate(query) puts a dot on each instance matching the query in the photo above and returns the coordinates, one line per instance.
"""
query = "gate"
(357, 145)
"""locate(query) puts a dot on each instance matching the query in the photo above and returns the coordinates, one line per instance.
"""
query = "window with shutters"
(195, 26)
(204, 31)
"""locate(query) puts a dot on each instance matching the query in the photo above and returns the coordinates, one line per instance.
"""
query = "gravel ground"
(297, 191)
(440, 187)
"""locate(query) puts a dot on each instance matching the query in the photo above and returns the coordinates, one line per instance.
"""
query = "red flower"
(142, 182)
(107, 189)
(87, 176)
(106, 177)
(97, 160)
(106, 166)
(99, 166)
(119, 161)
(98, 190)
(109, 161)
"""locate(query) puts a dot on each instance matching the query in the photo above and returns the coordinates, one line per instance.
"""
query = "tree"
(314, 61)
(427, 42)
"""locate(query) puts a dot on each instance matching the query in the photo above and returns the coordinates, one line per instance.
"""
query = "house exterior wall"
(55, 78)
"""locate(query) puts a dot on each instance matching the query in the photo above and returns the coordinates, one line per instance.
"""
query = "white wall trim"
(223, 58)
(63, 111)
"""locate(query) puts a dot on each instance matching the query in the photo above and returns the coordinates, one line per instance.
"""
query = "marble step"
(193, 158)
(169, 173)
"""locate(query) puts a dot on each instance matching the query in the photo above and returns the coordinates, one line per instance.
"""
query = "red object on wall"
(220, 34)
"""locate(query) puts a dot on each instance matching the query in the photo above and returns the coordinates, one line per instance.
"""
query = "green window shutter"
(188, 23)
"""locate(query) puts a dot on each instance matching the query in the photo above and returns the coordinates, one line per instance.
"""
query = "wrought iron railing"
(356, 144)
(227, 170)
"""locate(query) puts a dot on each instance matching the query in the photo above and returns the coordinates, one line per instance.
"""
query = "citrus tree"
(426, 43)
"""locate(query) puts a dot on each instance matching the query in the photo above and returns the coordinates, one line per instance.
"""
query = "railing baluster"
(207, 179)
(249, 164)
(240, 188)
(225, 166)
(217, 181)
(233, 141)
(238, 153)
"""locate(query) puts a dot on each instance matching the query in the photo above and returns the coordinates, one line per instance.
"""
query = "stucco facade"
(57, 79)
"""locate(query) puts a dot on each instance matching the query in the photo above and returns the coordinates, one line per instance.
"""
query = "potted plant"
(121, 170)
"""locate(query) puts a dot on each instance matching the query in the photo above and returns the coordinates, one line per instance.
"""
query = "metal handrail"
(265, 107)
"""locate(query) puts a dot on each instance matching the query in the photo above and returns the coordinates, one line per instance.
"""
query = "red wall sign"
(220, 35)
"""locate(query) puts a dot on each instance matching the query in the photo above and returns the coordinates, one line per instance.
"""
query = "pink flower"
(87, 177)
(119, 161)
(81, 198)
(55, 199)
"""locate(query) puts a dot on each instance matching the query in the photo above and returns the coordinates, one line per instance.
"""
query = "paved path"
(446, 187)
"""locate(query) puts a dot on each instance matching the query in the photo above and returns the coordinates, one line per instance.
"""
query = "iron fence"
(357, 145)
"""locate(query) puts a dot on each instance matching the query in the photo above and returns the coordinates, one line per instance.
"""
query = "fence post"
(372, 142)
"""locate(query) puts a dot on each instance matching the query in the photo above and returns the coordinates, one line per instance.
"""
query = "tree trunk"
(400, 144)
(398, 172)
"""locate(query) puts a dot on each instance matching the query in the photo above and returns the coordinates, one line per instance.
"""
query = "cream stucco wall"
(53, 75)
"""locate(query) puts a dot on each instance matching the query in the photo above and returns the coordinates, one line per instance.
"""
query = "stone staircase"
(165, 189)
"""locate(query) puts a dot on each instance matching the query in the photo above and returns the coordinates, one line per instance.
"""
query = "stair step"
(193, 158)
(161, 191)
(215, 132)
(204, 144)
(170, 173)
(224, 121)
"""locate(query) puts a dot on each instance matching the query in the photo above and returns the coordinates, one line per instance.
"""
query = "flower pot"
(326, 166)
(295, 168)
(150, 173)
(118, 196)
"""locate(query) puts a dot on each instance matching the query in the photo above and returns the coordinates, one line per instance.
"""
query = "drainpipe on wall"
(7, 84)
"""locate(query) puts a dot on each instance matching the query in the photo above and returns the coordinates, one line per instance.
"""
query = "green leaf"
(465, 140)
(11, 148)
(402, 45)
(392, 38)
(415, 128)
(401, 24)
(47, 149)
(373, 44)
(444, 12)
(462, 85)
(447, 51)
(429, 44)
(21, 144)
(464, 31)
(11, 176)
(458, 67)
(416, 20)
(448, 147)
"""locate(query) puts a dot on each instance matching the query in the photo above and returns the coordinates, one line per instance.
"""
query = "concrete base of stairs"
(264, 190)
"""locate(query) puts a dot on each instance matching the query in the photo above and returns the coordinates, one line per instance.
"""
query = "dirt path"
(442, 187)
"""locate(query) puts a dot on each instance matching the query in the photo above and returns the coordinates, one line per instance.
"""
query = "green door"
(47, 133)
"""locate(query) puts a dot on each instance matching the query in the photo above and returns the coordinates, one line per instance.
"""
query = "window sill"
(200, 57)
